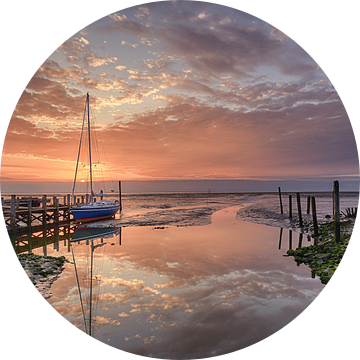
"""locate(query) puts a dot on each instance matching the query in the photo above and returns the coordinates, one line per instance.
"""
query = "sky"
(182, 91)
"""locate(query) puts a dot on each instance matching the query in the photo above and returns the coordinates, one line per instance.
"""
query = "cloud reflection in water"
(192, 292)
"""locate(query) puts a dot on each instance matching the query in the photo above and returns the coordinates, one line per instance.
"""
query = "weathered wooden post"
(120, 201)
(313, 208)
(13, 213)
(44, 205)
(101, 195)
(29, 215)
(308, 205)
(299, 209)
(280, 238)
(57, 215)
(336, 200)
(290, 206)
(281, 205)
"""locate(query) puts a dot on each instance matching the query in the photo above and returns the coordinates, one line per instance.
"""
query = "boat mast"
(91, 184)
(77, 161)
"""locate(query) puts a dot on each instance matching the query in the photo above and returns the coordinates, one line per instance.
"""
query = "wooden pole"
(13, 213)
(280, 237)
(281, 205)
(336, 200)
(29, 215)
(290, 206)
(101, 195)
(308, 205)
(299, 209)
(120, 196)
(313, 206)
(44, 211)
(57, 214)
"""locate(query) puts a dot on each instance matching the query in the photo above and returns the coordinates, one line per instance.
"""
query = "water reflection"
(89, 279)
(181, 292)
(300, 243)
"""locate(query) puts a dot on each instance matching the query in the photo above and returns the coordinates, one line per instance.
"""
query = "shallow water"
(184, 292)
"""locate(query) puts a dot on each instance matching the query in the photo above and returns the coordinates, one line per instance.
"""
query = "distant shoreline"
(325, 192)
(186, 186)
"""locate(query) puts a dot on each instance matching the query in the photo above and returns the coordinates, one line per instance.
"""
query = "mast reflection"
(88, 278)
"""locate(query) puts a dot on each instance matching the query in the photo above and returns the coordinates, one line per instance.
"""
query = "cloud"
(120, 67)
(120, 22)
(219, 95)
(213, 44)
(99, 61)
(54, 103)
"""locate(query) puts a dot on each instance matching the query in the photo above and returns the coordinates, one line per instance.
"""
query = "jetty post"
(120, 202)
(308, 205)
(313, 208)
(13, 213)
(57, 213)
(336, 208)
(299, 209)
(281, 205)
(29, 217)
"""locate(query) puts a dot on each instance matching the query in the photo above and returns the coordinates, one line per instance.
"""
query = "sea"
(185, 275)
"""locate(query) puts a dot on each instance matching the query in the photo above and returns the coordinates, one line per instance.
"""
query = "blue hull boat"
(96, 211)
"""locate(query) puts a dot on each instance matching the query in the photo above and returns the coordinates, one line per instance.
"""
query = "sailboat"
(94, 210)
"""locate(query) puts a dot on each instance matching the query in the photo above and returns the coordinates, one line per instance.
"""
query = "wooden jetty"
(30, 214)
(20, 218)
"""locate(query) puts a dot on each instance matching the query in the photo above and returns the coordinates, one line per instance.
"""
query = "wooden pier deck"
(20, 218)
